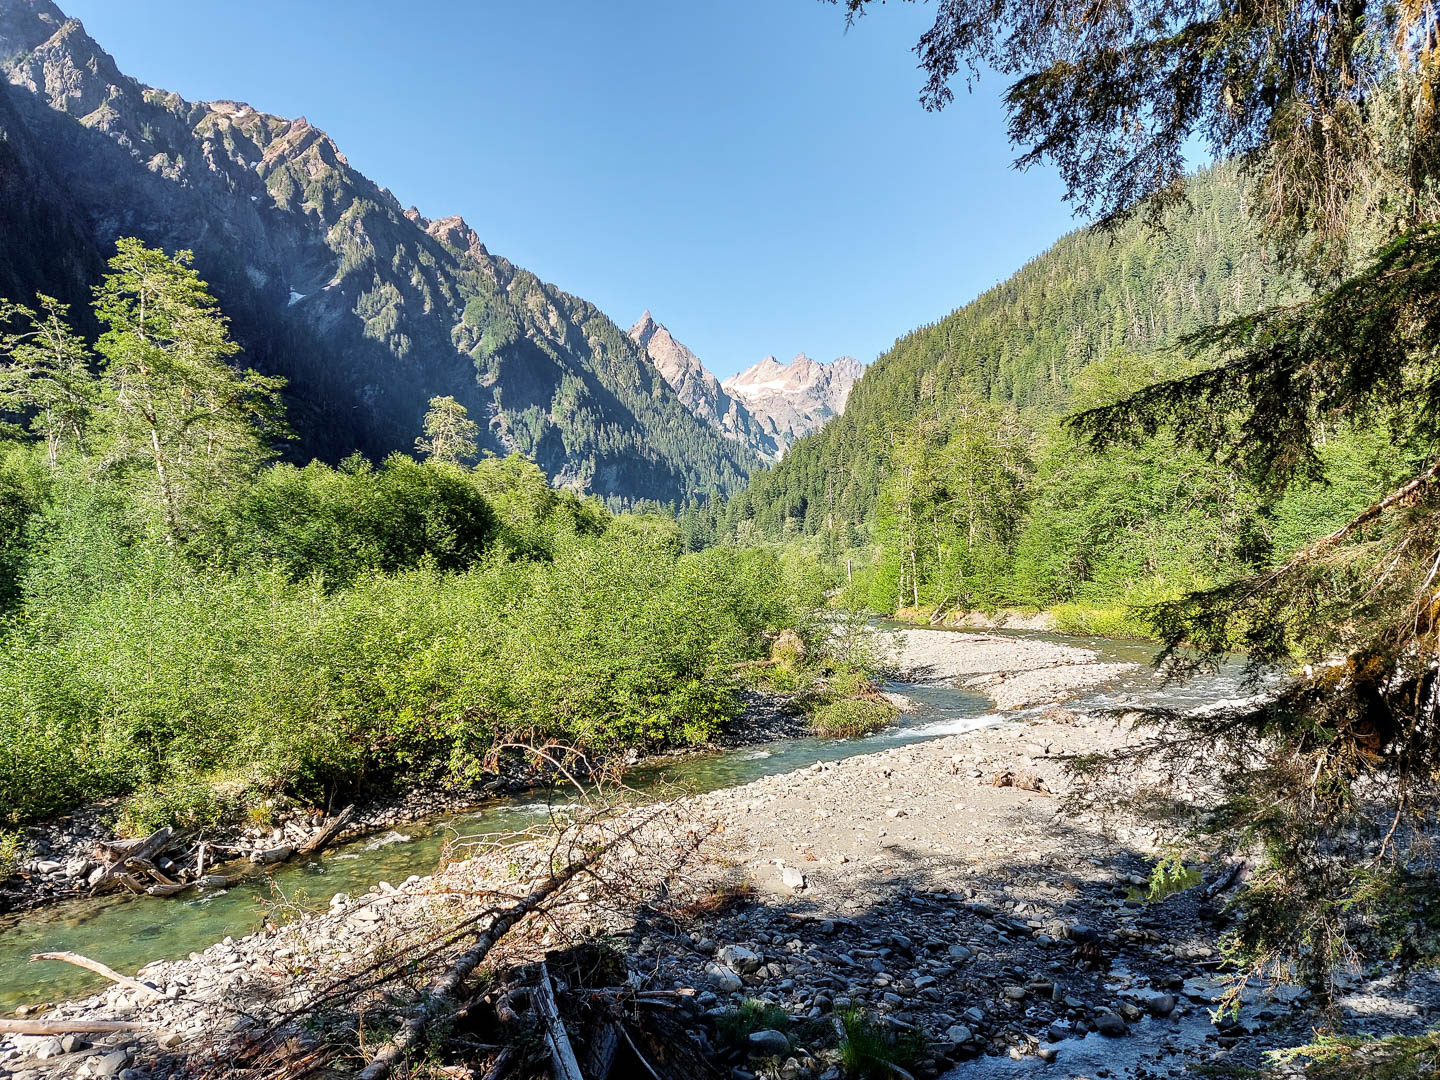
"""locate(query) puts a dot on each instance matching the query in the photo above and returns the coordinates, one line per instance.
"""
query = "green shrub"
(850, 718)
(735, 1026)
(1108, 622)
(14, 849)
(870, 1052)
(174, 672)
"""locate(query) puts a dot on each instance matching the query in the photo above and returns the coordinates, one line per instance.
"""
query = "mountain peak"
(795, 398)
(455, 232)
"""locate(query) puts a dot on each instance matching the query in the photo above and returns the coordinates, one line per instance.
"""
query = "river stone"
(48, 1049)
(959, 1033)
(1161, 1004)
(723, 979)
(792, 878)
(738, 958)
(1111, 1025)
(110, 1064)
(768, 1043)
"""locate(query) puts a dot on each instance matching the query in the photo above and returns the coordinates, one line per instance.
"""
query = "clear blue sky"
(759, 178)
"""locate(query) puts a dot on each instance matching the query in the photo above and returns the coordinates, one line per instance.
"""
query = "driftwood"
(442, 993)
(66, 1027)
(502, 1065)
(562, 1054)
(329, 832)
(169, 890)
(1233, 873)
(99, 969)
(274, 855)
(601, 1057)
(148, 848)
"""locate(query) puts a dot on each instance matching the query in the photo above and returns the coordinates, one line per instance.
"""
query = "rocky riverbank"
(941, 887)
(906, 883)
(1014, 672)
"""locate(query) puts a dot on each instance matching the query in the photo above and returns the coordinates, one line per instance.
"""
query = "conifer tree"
(175, 409)
(450, 435)
(45, 370)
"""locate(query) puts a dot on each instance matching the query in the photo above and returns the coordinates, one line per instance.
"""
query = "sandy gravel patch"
(1014, 672)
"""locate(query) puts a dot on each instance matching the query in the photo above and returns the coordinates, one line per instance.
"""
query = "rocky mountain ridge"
(795, 399)
(367, 308)
(700, 391)
(766, 407)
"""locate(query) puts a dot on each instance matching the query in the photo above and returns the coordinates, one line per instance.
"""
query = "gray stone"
(1048, 1053)
(722, 978)
(960, 952)
(738, 958)
(768, 1043)
(48, 1049)
(792, 878)
(959, 1033)
(109, 1064)
(1111, 1025)
(1161, 1004)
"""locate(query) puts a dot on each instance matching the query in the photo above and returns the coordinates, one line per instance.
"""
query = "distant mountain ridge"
(766, 407)
(367, 308)
(795, 399)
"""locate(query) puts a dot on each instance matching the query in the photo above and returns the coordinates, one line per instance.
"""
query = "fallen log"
(603, 1046)
(441, 997)
(99, 969)
(168, 890)
(151, 846)
(562, 1054)
(329, 832)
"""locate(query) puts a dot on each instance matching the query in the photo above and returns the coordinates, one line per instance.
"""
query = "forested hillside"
(949, 479)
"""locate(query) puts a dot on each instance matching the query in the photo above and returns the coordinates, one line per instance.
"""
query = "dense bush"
(172, 670)
(850, 718)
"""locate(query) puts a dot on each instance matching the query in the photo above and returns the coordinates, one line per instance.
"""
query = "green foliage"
(1340, 1057)
(171, 671)
(869, 1051)
(46, 374)
(851, 718)
(1086, 621)
(735, 1026)
(341, 523)
(175, 411)
(450, 435)
(14, 849)
(194, 803)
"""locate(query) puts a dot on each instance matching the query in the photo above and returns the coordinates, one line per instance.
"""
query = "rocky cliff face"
(700, 391)
(367, 308)
(792, 400)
